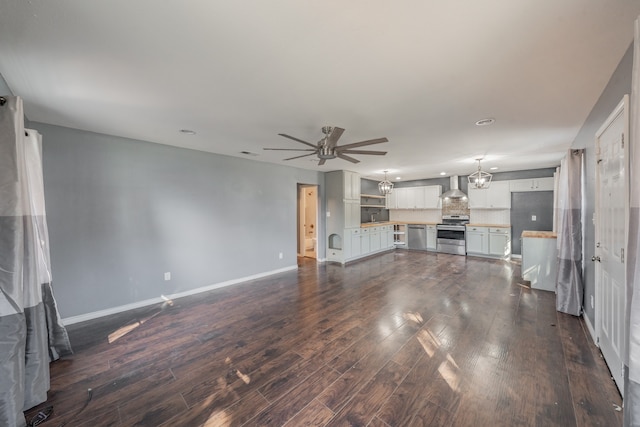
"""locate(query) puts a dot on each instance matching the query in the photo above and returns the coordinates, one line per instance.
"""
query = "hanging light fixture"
(385, 186)
(480, 179)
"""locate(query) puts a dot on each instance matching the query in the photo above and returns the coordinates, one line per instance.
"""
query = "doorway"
(308, 221)
(611, 229)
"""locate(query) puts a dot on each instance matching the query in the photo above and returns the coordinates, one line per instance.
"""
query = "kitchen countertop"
(539, 234)
(489, 225)
(368, 224)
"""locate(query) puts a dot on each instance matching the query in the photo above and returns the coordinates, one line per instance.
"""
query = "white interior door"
(611, 237)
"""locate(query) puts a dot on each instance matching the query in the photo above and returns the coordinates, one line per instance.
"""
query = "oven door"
(451, 240)
(450, 233)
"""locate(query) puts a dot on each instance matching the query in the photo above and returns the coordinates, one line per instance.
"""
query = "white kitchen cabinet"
(432, 195)
(354, 236)
(351, 213)
(390, 237)
(500, 242)
(532, 184)
(374, 237)
(351, 184)
(477, 240)
(421, 197)
(497, 196)
(432, 237)
(365, 241)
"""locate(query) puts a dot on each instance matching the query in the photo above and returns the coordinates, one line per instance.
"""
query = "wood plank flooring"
(400, 339)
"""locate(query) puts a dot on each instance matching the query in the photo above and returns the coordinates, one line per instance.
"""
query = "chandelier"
(480, 179)
(385, 186)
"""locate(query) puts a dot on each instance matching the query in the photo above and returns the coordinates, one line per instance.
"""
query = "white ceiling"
(419, 72)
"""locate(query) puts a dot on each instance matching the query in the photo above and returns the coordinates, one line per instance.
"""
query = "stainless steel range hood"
(455, 192)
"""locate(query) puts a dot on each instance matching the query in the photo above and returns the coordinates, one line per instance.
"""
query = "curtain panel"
(632, 356)
(569, 285)
(31, 333)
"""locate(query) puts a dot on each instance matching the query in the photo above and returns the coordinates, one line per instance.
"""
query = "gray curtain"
(31, 334)
(632, 359)
(569, 285)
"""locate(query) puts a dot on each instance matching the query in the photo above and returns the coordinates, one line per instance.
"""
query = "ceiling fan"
(328, 148)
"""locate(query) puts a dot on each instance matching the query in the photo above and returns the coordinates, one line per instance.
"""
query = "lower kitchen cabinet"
(491, 242)
(362, 242)
(500, 242)
(432, 237)
(477, 240)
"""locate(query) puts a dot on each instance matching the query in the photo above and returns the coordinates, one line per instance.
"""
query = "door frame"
(622, 107)
(301, 207)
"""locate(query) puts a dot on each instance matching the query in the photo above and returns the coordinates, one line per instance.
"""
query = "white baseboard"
(591, 329)
(119, 309)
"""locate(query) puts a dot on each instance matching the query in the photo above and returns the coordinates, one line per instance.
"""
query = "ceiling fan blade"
(334, 136)
(321, 162)
(298, 140)
(362, 143)
(297, 157)
(290, 149)
(375, 153)
(350, 159)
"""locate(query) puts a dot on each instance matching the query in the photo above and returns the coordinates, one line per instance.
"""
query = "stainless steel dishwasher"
(417, 237)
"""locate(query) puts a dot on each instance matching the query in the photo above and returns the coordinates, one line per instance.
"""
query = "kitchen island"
(539, 259)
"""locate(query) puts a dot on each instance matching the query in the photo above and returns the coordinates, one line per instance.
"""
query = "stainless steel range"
(451, 234)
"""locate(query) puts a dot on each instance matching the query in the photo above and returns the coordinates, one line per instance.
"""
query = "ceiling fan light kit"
(480, 179)
(327, 148)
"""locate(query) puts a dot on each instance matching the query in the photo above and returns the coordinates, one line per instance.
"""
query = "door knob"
(595, 258)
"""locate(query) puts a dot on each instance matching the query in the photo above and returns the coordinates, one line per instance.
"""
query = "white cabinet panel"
(422, 197)
(351, 213)
(365, 241)
(477, 240)
(497, 196)
(500, 242)
(356, 249)
(432, 237)
(351, 186)
(432, 196)
(533, 184)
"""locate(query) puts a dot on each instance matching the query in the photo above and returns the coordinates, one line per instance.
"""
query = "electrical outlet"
(280, 255)
(534, 218)
(167, 275)
(328, 214)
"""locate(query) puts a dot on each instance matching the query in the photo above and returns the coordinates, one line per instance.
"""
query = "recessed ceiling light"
(495, 168)
(188, 131)
(398, 178)
(485, 122)
(443, 173)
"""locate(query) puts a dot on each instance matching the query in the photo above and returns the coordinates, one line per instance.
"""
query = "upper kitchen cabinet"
(532, 184)
(351, 183)
(423, 197)
(497, 196)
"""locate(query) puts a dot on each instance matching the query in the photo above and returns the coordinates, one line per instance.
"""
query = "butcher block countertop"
(488, 225)
(375, 224)
(539, 234)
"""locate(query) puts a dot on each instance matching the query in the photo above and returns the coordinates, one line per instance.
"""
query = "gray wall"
(618, 86)
(122, 212)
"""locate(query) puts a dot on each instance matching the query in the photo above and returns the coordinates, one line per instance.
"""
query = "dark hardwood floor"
(401, 339)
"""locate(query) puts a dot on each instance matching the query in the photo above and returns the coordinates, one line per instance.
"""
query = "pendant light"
(385, 186)
(480, 179)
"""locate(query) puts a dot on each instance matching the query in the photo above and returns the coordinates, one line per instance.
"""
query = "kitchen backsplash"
(416, 215)
(455, 207)
(490, 216)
